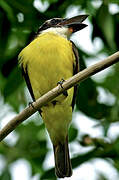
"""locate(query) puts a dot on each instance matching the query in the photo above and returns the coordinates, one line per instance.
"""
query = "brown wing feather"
(26, 77)
(75, 70)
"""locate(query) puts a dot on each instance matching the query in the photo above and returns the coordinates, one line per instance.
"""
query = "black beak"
(74, 23)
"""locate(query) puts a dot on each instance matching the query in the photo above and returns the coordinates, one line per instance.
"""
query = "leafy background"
(19, 20)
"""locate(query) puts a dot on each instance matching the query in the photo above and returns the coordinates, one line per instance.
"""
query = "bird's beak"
(75, 23)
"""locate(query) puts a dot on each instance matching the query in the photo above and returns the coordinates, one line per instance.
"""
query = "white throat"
(61, 31)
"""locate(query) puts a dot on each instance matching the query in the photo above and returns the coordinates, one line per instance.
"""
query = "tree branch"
(81, 76)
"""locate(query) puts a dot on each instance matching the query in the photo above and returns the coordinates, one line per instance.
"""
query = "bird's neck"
(60, 31)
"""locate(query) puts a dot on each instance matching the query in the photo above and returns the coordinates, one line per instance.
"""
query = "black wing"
(26, 77)
(75, 70)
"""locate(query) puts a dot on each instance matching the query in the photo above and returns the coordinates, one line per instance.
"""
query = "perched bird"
(50, 57)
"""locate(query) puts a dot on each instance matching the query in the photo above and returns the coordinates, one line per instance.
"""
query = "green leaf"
(14, 93)
(112, 81)
(13, 82)
(116, 19)
(101, 176)
(114, 1)
(9, 11)
(4, 34)
(31, 146)
(6, 175)
(49, 174)
(73, 132)
(87, 101)
(103, 24)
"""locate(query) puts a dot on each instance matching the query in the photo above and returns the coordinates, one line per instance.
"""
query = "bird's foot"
(61, 82)
(31, 105)
(65, 93)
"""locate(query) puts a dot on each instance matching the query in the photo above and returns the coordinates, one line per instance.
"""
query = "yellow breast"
(49, 59)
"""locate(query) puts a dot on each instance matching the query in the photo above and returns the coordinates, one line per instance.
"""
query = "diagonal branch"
(81, 76)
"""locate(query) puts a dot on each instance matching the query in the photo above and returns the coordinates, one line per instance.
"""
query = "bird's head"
(63, 26)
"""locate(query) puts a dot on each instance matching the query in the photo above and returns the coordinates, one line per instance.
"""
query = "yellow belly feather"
(50, 58)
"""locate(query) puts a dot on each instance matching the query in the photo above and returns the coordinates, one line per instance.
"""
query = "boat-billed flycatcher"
(50, 57)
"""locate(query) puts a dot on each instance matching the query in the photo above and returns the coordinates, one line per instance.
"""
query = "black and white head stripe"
(50, 23)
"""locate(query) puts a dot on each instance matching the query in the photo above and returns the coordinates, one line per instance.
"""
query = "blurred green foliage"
(19, 20)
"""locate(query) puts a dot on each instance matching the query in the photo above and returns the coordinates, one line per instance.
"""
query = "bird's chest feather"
(49, 59)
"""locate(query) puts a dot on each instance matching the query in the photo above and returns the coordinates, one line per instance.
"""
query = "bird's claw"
(61, 83)
(31, 105)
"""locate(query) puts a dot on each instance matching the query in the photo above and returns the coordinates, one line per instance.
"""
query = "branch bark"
(81, 76)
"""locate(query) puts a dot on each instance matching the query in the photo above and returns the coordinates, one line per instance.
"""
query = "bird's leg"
(61, 82)
(65, 93)
(31, 105)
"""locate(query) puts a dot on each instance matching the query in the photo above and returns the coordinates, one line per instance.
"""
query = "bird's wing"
(26, 77)
(75, 70)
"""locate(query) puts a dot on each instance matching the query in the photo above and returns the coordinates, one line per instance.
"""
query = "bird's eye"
(54, 21)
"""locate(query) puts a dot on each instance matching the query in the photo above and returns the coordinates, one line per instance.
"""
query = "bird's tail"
(62, 160)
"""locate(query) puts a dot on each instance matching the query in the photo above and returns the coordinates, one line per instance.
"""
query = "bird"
(51, 57)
